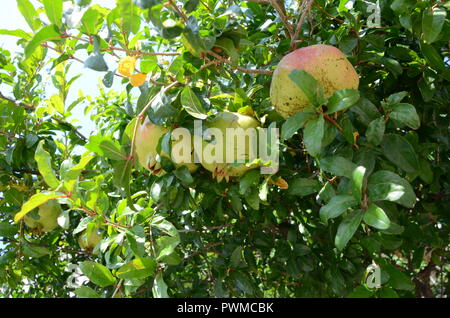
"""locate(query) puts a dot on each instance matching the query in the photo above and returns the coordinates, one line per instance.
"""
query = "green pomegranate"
(327, 64)
(222, 170)
(147, 138)
(47, 216)
(91, 241)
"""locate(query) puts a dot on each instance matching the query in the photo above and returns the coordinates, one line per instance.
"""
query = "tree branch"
(306, 6)
(242, 69)
(283, 18)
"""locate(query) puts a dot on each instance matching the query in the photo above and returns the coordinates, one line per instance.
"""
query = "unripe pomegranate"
(91, 241)
(47, 220)
(327, 64)
(222, 169)
(147, 138)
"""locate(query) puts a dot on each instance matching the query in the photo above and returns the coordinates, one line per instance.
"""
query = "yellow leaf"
(280, 183)
(127, 65)
(138, 79)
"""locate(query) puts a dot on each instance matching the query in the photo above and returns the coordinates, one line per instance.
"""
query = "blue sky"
(11, 18)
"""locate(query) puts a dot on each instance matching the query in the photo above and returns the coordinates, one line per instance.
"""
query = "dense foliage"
(363, 178)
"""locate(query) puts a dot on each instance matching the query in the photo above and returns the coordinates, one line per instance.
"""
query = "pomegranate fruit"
(47, 217)
(327, 64)
(146, 142)
(221, 169)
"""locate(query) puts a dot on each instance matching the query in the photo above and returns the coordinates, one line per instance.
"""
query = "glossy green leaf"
(432, 22)
(400, 152)
(294, 123)
(347, 228)
(358, 182)
(338, 166)
(386, 185)
(303, 187)
(97, 273)
(44, 162)
(159, 288)
(137, 268)
(192, 104)
(54, 11)
(375, 216)
(86, 292)
(337, 205)
(406, 114)
(313, 134)
(342, 99)
(375, 131)
(309, 86)
(47, 33)
(29, 13)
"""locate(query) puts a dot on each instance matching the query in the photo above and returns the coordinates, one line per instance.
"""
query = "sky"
(11, 19)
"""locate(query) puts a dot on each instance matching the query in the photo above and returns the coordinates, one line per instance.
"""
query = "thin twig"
(242, 69)
(260, 1)
(283, 18)
(15, 102)
(306, 6)
(180, 13)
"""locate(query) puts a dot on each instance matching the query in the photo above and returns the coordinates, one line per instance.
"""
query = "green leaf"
(228, 47)
(192, 104)
(29, 13)
(8, 230)
(235, 258)
(243, 282)
(97, 273)
(108, 79)
(400, 152)
(250, 178)
(357, 182)
(96, 62)
(347, 228)
(191, 38)
(129, 19)
(338, 166)
(432, 22)
(35, 251)
(396, 97)
(19, 33)
(303, 187)
(309, 86)
(313, 134)
(252, 198)
(190, 5)
(159, 288)
(47, 33)
(44, 163)
(90, 20)
(294, 123)
(54, 11)
(35, 201)
(137, 268)
(105, 147)
(406, 114)
(375, 131)
(386, 185)
(184, 175)
(432, 56)
(342, 99)
(86, 292)
(337, 205)
(398, 279)
(169, 33)
(375, 216)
